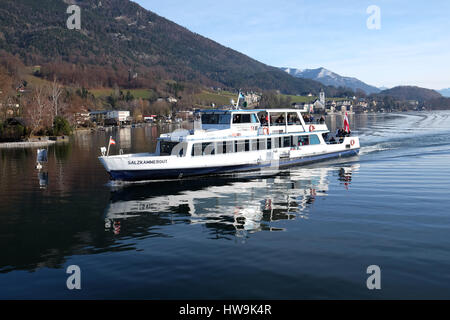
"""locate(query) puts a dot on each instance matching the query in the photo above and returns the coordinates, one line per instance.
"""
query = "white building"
(322, 97)
(120, 116)
(252, 98)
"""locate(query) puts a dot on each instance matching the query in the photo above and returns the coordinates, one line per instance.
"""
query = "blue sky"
(411, 48)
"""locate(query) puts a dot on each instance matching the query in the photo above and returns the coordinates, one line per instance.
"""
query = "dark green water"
(309, 232)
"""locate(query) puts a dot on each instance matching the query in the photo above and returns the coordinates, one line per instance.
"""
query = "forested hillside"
(121, 43)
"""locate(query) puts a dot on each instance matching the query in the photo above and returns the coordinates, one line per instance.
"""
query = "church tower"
(322, 97)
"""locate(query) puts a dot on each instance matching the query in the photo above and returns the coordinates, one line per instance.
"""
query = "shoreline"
(26, 144)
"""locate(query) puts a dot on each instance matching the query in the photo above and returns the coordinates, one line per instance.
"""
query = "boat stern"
(352, 143)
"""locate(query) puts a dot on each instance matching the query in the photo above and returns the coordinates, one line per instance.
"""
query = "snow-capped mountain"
(445, 92)
(330, 78)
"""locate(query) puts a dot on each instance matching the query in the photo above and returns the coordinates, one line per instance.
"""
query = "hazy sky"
(412, 47)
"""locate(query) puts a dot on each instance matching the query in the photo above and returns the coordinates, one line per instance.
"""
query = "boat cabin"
(264, 121)
(229, 119)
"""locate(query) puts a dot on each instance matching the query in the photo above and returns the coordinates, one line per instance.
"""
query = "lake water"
(308, 232)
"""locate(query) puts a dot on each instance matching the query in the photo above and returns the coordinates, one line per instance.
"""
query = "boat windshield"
(216, 118)
(167, 147)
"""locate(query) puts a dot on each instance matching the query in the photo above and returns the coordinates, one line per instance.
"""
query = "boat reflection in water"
(228, 206)
(43, 179)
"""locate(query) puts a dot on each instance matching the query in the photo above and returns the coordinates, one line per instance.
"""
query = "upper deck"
(212, 124)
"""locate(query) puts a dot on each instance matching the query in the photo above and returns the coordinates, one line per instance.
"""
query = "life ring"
(352, 142)
(311, 128)
(266, 130)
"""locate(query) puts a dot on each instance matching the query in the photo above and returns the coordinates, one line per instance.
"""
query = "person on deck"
(263, 120)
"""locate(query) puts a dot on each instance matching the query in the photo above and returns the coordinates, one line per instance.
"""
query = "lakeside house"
(109, 117)
(252, 98)
(98, 116)
(116, 117)
(82, 117)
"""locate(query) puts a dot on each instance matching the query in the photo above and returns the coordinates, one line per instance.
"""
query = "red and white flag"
(346, 123)
(111, 141)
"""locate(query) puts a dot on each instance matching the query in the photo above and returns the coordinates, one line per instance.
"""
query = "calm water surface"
(308, 232)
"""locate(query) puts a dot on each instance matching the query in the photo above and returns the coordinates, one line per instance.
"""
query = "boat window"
(221, 147)
(242, 118)
(254, 144)
(165, 147)
(277, 119)
(208, 148)
(303, 140)
(263, 118)
(293, 119)
(269, 143)
(224, 118)
(254, 118)
(261, 144)
(239, 145)
(209, 118)
(196, 150)
(212, 118)
(205, 149)
(287, 141)
(314, 139)
(247, 145)
(229, 146)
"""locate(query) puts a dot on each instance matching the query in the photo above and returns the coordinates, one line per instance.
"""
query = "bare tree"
(5, 91)
(38, 109)
(56, 91)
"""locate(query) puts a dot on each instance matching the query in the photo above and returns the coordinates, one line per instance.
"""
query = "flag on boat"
(346, 123)
(111, 141)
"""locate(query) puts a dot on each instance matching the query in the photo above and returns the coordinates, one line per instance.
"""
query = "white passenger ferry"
(230, 141)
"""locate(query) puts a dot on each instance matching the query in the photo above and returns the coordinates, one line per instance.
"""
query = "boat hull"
(179, 173)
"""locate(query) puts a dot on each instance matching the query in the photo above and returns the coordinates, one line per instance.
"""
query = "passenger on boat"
(263, 120)
(293, 119)
(280, 119)
(322, 119)
(340, 132)
(307, 118)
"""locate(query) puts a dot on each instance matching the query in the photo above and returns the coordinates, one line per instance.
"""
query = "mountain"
(411, 93)
(330, 78)
(445, 92)
(119, 40)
